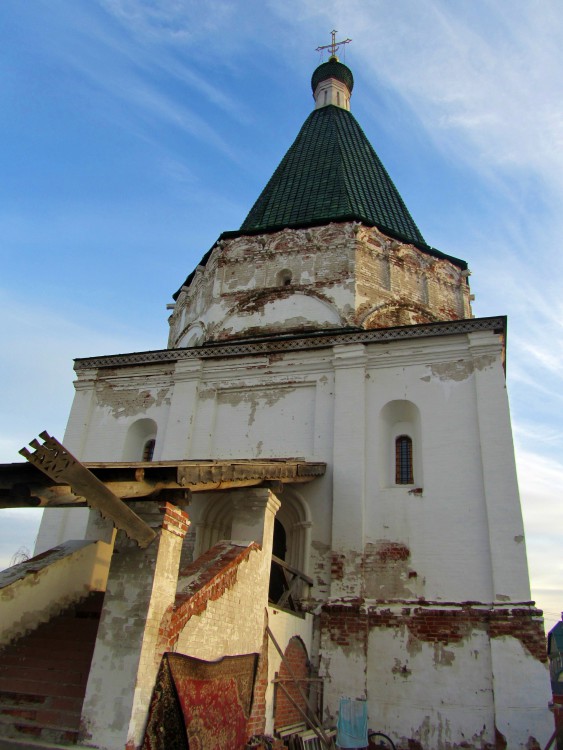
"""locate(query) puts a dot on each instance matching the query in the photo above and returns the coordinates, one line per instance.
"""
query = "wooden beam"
(295, 571)
(22, 485)
(53, 459)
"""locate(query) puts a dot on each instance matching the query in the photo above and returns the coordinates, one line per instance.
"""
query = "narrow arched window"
(284, 277)
(403, 460)
(148, 450)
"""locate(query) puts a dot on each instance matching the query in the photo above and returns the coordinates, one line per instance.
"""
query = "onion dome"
(333, 69)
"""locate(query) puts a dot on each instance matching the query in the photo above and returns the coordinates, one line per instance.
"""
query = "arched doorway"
(286, 712)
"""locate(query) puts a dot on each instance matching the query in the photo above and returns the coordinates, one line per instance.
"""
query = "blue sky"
(134, 132)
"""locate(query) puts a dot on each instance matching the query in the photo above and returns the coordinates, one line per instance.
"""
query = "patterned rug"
(201, 705)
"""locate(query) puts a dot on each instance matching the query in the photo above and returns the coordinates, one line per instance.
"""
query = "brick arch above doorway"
(285, 712)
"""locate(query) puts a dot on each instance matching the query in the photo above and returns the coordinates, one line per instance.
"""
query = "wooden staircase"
(43, 678)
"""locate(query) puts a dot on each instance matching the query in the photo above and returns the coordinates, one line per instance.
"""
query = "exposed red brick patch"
(286, 713)
(347, 624)
(385, 570)
(558, 713)
(337, 566)
(524, 624)
(500, 740)
(406, 313)
(257, 720)
(174, 519)
(392, 551)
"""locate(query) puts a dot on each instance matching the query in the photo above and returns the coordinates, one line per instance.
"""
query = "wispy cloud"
(484, 83)
(480, 80)
(541, 487)
(182, 21)
(126, 74)
(485, 79)
(479, 77)
(156, 36)
(38, 347)
(18, 531)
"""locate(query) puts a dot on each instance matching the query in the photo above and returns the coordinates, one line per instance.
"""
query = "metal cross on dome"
(334, 45)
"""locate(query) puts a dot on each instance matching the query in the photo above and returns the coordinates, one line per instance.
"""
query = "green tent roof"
(332, 173)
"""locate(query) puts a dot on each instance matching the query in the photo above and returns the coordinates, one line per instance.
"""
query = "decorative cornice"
(241, 348)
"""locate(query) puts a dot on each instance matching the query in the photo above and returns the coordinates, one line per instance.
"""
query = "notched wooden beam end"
(54, 460)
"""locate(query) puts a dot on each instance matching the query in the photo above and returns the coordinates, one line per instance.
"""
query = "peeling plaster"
(437, 734)
(258, 398)
(414, 644)
(443, 657)
(401, 670)
(462, 369)
(386, 570)
(367, 279)
(129, 402)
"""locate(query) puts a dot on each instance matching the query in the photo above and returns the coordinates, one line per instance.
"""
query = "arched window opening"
(403, 460)
(212, 517)
(140, 440)
(284, 277)
(279, 549)
(401, 434)
(148, 450)
(279, 544)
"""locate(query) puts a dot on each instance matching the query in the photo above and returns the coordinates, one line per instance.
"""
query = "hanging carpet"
(201, 705)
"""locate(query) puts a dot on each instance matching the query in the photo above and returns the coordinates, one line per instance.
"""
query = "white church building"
(328, 397)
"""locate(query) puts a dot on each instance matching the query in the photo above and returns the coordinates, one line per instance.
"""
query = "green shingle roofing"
(331, 173)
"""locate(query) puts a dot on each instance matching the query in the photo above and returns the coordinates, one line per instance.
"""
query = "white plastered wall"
(463, 532)
(327, 406)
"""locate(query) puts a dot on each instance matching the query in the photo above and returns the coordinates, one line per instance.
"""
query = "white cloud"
(541, 488)
(482, 79)
(181, 21)
(121, 67)
(38, 347)
(18, 531)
